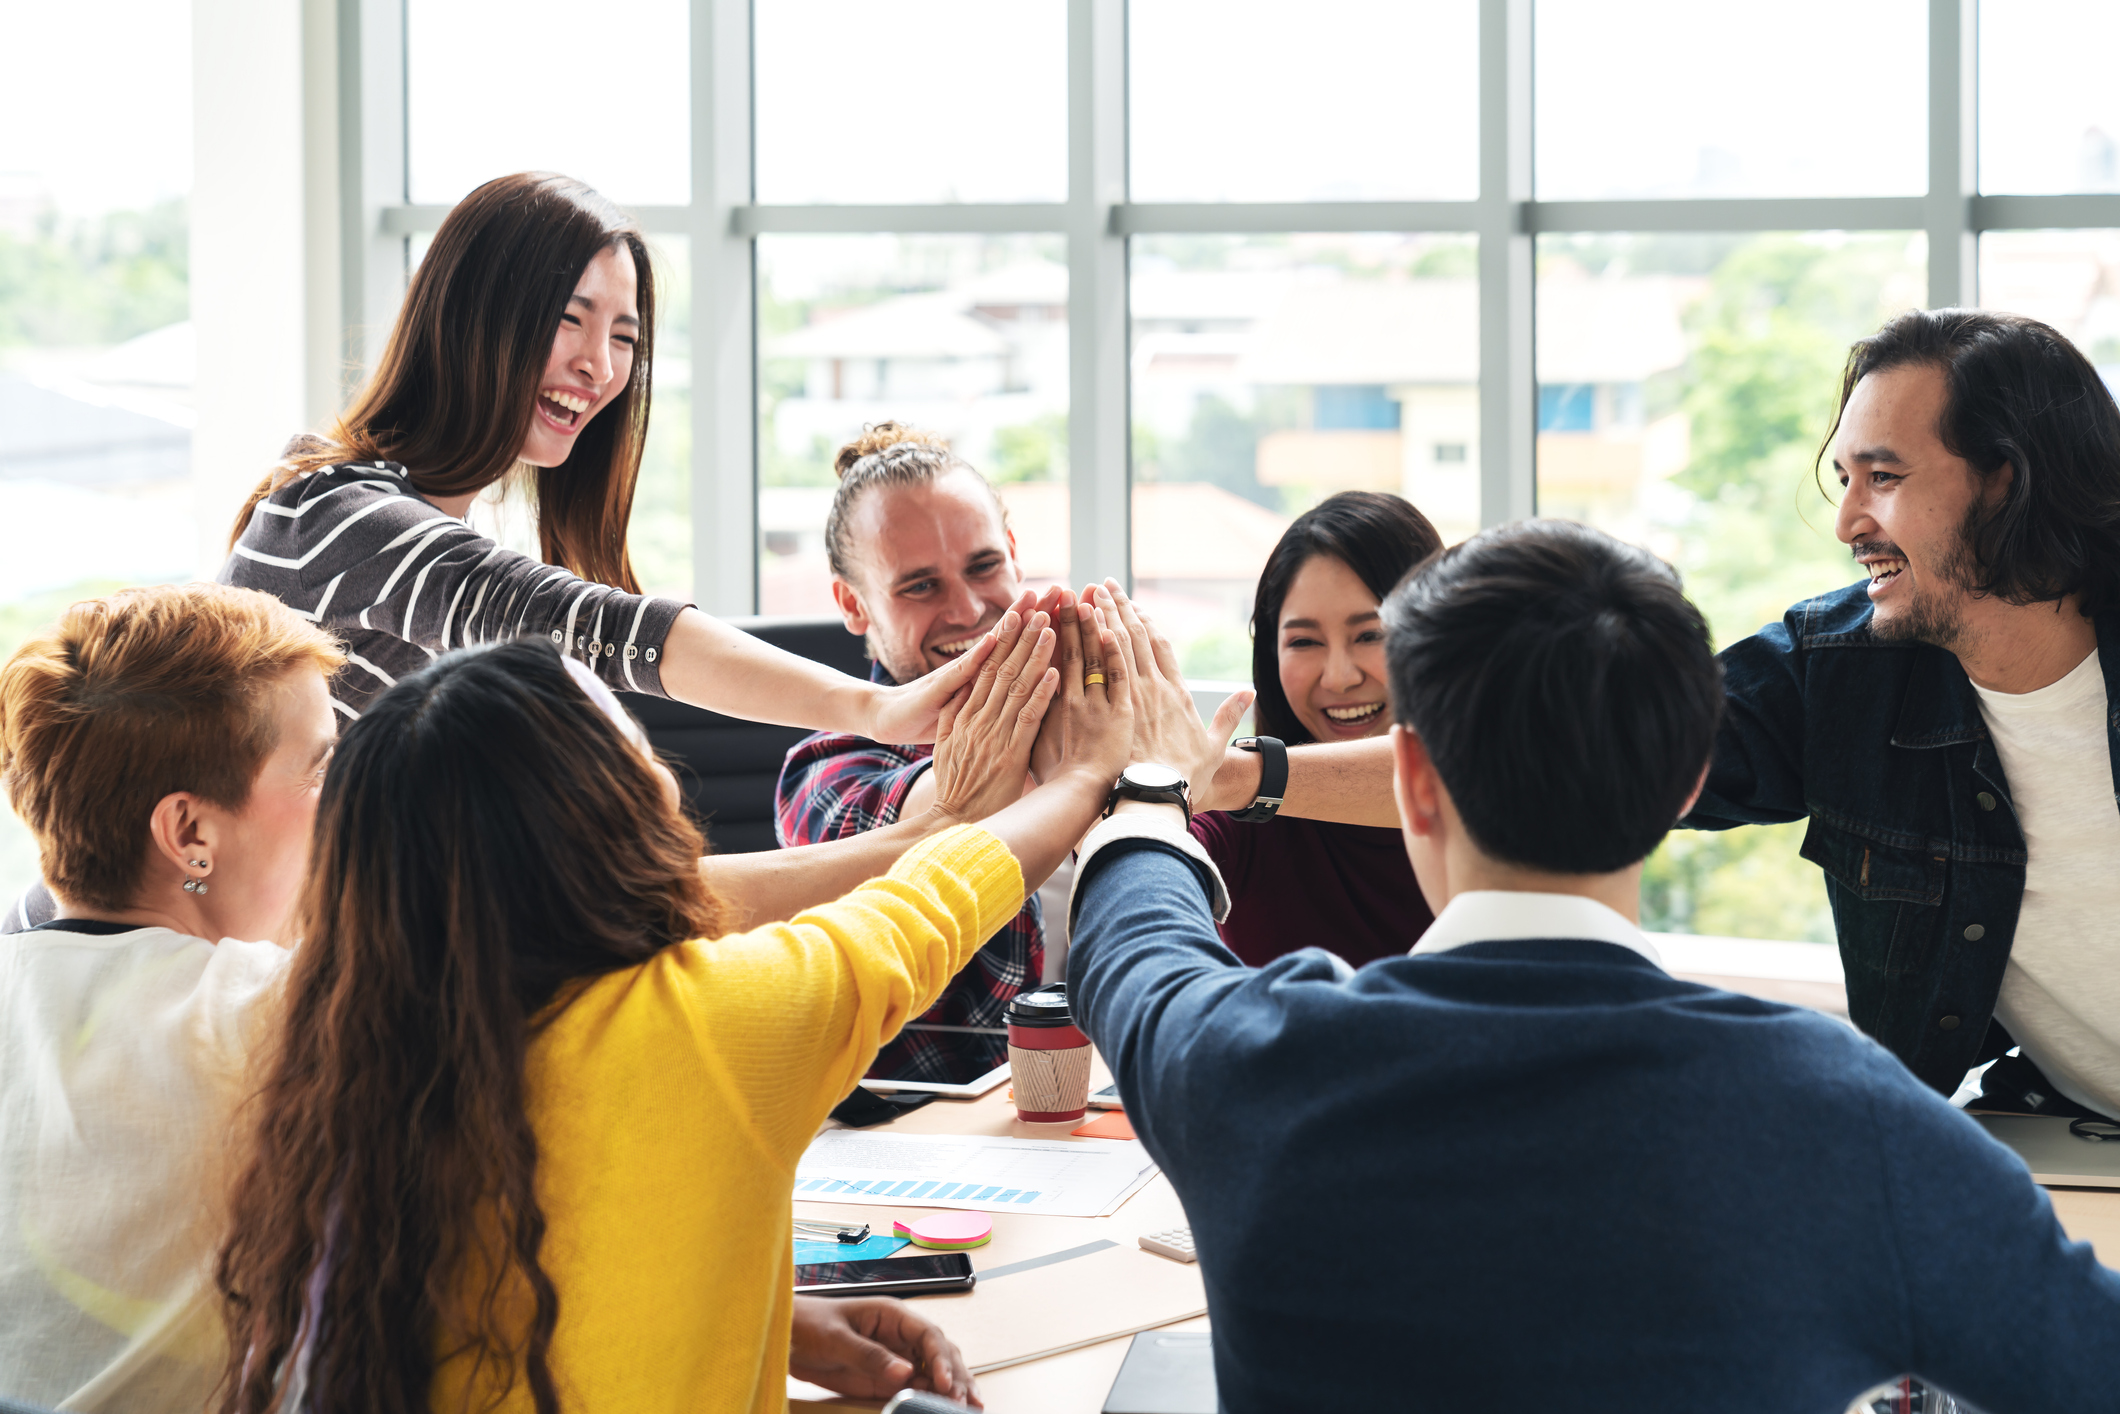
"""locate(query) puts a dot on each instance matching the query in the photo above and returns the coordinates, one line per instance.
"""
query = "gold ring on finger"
(1093, 680)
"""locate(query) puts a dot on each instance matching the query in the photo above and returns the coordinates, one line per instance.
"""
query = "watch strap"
(1273, 778)
(1178, 795)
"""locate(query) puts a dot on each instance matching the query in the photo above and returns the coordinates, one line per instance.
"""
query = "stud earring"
(195, 886)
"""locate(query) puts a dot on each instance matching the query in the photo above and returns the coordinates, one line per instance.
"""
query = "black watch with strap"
(1146, 780)
(1273, 778)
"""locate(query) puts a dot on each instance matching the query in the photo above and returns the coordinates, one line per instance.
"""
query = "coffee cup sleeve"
(1146, 826)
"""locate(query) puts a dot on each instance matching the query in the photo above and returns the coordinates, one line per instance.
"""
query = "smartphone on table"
(886, 1276)
(1107, 1099)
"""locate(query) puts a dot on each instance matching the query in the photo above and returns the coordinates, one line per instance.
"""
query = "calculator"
(1175, 1243)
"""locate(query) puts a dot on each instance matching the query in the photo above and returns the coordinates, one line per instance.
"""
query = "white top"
(1494, 915)
(122, 1061)
(2061, 990)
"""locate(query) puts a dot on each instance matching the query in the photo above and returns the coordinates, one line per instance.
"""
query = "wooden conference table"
(1076, 1381)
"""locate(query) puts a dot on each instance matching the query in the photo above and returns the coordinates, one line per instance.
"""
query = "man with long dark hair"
(1949, 726)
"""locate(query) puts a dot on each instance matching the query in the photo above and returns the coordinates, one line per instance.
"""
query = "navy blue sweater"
(1547, 1174)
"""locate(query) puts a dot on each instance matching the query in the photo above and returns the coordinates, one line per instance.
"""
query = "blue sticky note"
(880, 1245)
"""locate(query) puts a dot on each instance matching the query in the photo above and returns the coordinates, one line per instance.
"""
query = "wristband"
(1273, 778)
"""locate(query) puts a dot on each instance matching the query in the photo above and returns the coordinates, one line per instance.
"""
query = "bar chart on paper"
(1077, 1178)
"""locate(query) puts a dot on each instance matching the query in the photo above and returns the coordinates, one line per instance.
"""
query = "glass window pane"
(485, 98)
(1335, 100)
(95, 335)
(2049, 111)
(965, 336)
(859, 101)
(2068, 279)
(1270, 372)
(1667, 98)
(1693, 378)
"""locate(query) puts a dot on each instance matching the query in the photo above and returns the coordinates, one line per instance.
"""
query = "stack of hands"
(1068, 692)
(1074, 684)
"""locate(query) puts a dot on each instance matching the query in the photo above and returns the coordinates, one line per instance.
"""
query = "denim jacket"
(1882, 745)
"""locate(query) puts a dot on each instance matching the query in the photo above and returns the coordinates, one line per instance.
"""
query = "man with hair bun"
(1951, 726)
(1590, 1179)
(923, 563)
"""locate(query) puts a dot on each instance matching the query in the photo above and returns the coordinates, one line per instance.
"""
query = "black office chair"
(728, 767)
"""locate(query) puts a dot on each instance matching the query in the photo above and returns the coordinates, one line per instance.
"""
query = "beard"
(1935, 612)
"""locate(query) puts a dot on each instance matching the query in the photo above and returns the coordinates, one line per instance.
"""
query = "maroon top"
(1312, 884)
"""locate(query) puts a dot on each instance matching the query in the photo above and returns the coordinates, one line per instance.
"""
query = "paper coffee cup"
(1048, 1057)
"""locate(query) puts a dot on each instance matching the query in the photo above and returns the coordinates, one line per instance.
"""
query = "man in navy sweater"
(1524, 1164)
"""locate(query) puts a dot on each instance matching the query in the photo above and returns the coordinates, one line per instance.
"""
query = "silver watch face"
(1148, 775)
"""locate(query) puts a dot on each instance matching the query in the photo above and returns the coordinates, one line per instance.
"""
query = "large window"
(1167, 270)
(965, 336)
(1271, 371)
(95, 334)
(1685, 382)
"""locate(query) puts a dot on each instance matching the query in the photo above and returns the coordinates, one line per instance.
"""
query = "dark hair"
(1564, 688)
(1378, 536)
(452, 396)
(486, 835)
(2019, 396)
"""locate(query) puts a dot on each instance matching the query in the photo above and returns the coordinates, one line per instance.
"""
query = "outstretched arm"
(712, 665)
(981, 758)
(1347, 782)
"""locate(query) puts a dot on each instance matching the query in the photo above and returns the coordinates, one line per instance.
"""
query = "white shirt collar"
(1492, 915)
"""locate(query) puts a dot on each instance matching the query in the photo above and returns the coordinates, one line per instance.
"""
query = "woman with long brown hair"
(530, 1139)
(526, 339)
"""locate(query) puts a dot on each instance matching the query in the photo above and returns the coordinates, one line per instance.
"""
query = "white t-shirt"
(122, 1061)
(2061, 991)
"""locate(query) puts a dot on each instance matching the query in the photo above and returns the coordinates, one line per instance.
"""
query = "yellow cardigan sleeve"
(797, 1011)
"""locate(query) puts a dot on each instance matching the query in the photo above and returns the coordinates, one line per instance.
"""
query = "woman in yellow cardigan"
(530, 1138)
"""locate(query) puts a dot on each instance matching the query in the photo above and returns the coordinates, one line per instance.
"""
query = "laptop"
(1166, 1372)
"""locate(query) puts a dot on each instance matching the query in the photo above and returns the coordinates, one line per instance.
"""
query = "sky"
(101, 118)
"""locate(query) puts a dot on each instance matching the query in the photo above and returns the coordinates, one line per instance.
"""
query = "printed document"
(1074, 1178)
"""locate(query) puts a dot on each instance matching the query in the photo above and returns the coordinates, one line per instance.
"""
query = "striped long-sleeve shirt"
(354, 548)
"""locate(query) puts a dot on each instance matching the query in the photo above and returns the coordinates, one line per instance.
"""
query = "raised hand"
(1167, 726)
(912, 712)
(985, 733)
(1051, 747)
(1101, 703)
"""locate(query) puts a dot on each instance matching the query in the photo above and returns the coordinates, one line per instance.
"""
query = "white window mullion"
(1508, 386)
(724, 316)
(1954, 265)
(1098, 433)
(372, 177)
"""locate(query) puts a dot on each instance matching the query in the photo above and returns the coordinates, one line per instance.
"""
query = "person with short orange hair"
(165, 747)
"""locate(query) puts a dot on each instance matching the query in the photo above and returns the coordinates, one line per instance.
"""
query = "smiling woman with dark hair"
(526, 340)
(1318, 668)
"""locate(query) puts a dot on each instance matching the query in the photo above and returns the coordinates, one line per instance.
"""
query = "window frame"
(723, 221)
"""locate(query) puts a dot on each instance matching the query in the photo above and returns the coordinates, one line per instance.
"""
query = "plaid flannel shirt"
(835, 785)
